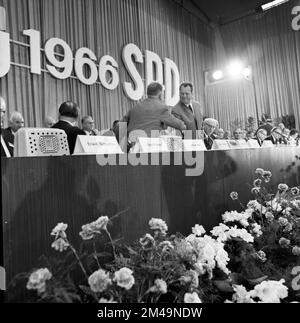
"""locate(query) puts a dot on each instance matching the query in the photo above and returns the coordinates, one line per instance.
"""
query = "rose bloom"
(259, 171)
(295, 190)
(255, 190)
(191, 298)
(147, 241)
(283, 187)
(158, 225)
(288, 228)
(257, 182)
(283, 221)
(284, 242)
(124, 278)
(270, 291)
(234, 195)
(101, 223)
(269, 216)
(99, 281)
(296, 251)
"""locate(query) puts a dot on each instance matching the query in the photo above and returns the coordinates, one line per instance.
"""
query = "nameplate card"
(252, 143)
(174, 143)
(220, 144)
(97, 145)
(193, 145)
(234, 144)
(267, 144)
(149, 145)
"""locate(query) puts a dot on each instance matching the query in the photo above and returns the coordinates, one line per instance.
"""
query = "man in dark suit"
(150, 116)
(68, 116)
(275, 136)
(188, 111)
(4, 150)
(88, 126)
(16, 122)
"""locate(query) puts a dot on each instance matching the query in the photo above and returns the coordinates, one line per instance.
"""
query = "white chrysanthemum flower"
(37, 280)
(256, 228)
(158, 225)
(198, 230)
(235, 216)
(99, 281)
(275, 205)
(192, 298)
(234, 232)
(124, 278)
(60, 245)
(270, 291)
(160, 286)
(59, 230)
(220, 232)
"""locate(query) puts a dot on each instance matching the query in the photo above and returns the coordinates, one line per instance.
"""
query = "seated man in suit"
(209, 126)
(16, 122)
(261, 135)
(88, 126)
(151, 116)
(188, 111)
(68, 116)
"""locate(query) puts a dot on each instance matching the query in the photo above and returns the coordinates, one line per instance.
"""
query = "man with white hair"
(16, 121)
(209, 126)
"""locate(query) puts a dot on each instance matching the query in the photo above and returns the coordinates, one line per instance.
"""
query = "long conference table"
(39, 192)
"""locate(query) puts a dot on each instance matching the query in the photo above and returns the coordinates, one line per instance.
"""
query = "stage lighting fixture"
(272, 4)
(217, 75)
(247, 71)
(235, 69)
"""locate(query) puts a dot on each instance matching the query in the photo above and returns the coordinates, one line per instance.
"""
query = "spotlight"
(235, 69)
(247, 71)
(217, 75)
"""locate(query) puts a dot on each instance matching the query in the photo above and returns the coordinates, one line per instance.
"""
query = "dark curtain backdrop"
(268, 43)
(104, 26)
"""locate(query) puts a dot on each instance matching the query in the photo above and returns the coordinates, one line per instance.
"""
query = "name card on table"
(149, 145)
(267, 144)
(252, 143)
(97, 145)
(174, 143)
(193, 145)
(220, 145)
(237, 144)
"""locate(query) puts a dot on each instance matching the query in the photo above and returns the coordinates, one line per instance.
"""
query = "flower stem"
(79, 261)
(112, 244)
(95, 254)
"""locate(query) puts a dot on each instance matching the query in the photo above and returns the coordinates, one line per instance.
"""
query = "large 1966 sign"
(105, 70)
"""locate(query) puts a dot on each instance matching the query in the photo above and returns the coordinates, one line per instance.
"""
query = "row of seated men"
(150, 116)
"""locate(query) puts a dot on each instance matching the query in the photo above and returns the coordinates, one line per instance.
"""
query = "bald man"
(16, 122)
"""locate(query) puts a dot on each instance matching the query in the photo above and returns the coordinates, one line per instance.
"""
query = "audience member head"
(294, 133)
(220, 133)
(16, 121)
(209, 126)
(186, 93)
(281, 126)
(276, 132)
(286, 132)
(69, 111)
(250, 134)
(2, 110)
(261, 134)
(155, 90)
(88, 123)
(49, 122)
(238, 134)
(227, 134)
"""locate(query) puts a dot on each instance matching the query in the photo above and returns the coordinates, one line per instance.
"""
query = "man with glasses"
(209, 126)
